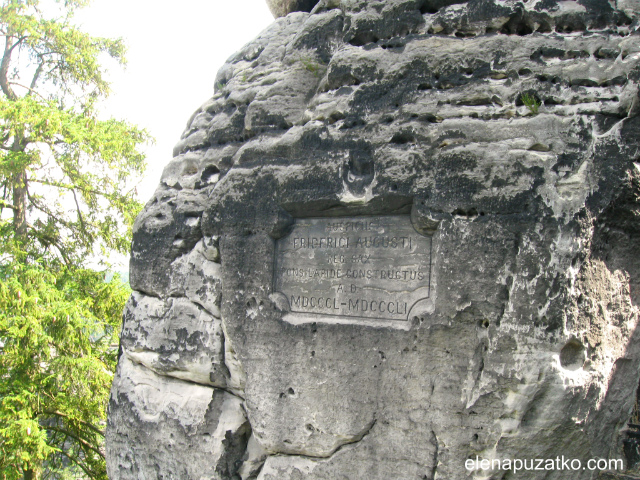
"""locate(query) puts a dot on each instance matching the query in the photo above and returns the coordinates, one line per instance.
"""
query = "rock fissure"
(136, 360)
(434, 469)
(355, 440)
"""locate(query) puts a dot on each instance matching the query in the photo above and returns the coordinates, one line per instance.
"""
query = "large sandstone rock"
(491, 150)
(281, 8)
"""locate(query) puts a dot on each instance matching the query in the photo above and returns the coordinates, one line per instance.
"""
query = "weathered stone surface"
(167, 428)
(617, 476)
(174, 337)
(526, 344)
(280, 8)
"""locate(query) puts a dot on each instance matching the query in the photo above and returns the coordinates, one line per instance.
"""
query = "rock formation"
(281, 8)
(401, 235)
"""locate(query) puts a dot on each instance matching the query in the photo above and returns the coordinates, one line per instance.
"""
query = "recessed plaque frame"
(362, 269)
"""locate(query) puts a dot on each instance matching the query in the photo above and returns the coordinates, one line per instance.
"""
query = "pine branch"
(63, 415)
(77, 461)
(76, 437)
(66, 186)
(4, 66)
(31, 90)
(36, 75)
(4, 204)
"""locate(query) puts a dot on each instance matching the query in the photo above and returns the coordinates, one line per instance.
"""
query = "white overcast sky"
(174, 52)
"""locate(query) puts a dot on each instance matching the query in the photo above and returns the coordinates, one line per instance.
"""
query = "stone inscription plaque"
(355, 267)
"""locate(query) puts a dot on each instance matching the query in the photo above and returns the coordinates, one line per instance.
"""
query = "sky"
(174, 52)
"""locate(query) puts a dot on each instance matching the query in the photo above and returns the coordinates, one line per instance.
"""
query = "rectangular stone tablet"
(355, 267)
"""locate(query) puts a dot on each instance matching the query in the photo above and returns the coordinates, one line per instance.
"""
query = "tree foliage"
(67, 197)
(58, 327)
(52, 140)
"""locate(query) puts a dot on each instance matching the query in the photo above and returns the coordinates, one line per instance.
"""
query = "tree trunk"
(19, 180)
(20, 205)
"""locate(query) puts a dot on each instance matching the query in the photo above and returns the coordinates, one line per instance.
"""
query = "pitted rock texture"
(510, 132)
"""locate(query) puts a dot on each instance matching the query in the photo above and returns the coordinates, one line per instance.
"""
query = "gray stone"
(508, 135)
(170, 428)
(281, 8)
(175, 337)
(617, 476)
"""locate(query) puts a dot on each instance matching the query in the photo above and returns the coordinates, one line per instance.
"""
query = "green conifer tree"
(66, 198)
